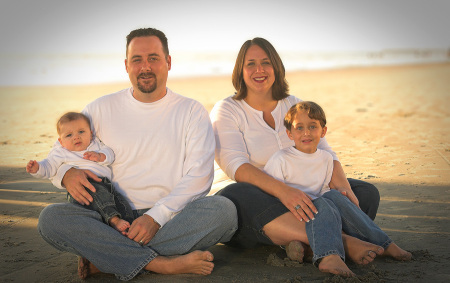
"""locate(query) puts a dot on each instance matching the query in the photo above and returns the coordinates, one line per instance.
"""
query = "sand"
(389, 126)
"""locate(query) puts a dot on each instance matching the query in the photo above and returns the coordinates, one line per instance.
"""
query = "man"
(164, 148)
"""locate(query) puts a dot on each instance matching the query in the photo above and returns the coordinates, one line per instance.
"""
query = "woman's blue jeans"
(75, 229)
(337, 214)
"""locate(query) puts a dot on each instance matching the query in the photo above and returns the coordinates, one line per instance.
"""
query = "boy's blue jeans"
(107, 201)
(337, 214)
(75, 229)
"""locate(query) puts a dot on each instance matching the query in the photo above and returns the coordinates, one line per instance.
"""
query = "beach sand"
(389, 126)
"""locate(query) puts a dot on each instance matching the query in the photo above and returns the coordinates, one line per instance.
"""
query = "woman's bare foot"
(196, 262)
(85, 268)
(359, 251)
(119, 224)
(397, 253)
(335, 265)
(295, 250)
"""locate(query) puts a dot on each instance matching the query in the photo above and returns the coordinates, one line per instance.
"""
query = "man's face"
(148, 68)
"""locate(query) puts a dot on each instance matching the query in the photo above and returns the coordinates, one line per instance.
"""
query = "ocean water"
(68, 69)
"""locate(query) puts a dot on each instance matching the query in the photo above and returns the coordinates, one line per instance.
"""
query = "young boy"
(309, 169)
(82, 150)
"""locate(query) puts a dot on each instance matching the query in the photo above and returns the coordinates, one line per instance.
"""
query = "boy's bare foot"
(295, 250)
(85, 268)
(119, 224)
(359, 251)
(397, 253)
(196, 262)
(335, 265)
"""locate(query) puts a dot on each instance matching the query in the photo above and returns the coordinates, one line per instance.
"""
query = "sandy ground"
(389, 125)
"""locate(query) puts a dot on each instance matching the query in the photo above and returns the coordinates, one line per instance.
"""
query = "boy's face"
(75, 135)
(306, 132)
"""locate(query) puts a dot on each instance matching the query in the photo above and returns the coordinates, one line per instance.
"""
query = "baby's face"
(75, 135)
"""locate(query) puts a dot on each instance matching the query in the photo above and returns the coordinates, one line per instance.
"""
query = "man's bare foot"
(359, 251)
(397, 253)
(335, 265)
(295, 250)
(85, 268)
(196, 262)
(119, 224)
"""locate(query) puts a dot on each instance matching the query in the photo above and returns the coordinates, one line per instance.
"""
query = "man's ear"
(126, 66)
(324, 131)
(289, 134)
(169, 62)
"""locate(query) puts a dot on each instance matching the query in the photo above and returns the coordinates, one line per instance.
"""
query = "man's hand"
(76, 181)
(143, 229)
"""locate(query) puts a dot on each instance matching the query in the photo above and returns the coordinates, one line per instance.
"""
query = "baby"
(82, 150)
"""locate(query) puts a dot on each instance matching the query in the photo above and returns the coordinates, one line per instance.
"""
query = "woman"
(249, 130)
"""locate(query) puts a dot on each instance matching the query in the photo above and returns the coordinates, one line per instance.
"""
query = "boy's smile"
(306, 132)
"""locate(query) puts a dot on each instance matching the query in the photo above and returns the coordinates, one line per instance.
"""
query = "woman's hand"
(299, 203)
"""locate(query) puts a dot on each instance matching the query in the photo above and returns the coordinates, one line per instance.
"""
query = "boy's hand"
(32, 166)
(351, 196)
(94, 156)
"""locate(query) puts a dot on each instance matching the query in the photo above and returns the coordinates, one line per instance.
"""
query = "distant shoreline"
(80, 69)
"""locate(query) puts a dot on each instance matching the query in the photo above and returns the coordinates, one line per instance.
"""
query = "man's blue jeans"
(75, 229)
(337, 214)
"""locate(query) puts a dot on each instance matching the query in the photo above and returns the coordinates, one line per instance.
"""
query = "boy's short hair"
(313, 109)
(69, 117)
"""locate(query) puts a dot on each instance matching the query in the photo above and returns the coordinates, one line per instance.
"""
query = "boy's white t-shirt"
(310, 173)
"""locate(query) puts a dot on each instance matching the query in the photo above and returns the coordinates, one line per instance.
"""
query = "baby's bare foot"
(335, 265)
(119, 224)
(196, 262)
(295, 250)
(397, 253)
(359, 251)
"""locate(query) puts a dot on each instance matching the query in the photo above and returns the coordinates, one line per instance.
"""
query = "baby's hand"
(32, 166)
(94, 156)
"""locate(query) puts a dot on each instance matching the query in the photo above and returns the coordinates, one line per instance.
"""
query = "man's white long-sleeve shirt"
(164, 150)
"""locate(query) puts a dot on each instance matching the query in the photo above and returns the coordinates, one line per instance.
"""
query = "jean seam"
(353, 227)
(139, 268)
(331, 252)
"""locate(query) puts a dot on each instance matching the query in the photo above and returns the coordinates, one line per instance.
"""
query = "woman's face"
(258, 71)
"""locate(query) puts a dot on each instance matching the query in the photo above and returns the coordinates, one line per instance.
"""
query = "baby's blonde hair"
(69, 117)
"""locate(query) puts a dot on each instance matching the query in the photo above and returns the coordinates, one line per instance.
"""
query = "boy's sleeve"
(274, 168)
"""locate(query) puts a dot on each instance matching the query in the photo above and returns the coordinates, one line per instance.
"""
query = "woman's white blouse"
(242, 135)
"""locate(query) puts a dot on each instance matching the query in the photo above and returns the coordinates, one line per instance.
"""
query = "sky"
(99, 27)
